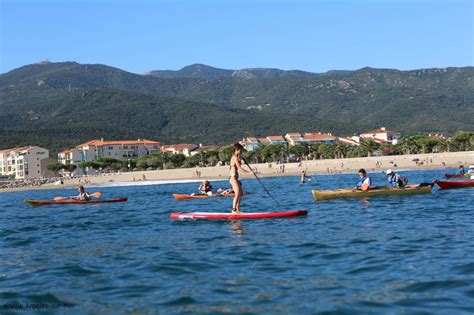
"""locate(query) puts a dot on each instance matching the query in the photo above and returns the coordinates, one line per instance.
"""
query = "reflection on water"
(237, 228)
(389, 254)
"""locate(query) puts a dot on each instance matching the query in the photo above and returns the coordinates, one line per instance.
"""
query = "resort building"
(294, 138)
(250, 143)
(25, 162)
(205, 148)
(312, 138)
(382, 135)
(184, 148)
(117, 149)
(276, 140)
(349, 141)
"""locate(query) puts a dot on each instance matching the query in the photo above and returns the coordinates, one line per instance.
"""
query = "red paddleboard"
(235, 216)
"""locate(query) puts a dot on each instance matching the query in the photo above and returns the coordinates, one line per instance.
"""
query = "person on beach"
(396, 180)
(364, 182)
(83, 195)
(461, 170)
(205, 188)
(235, 167)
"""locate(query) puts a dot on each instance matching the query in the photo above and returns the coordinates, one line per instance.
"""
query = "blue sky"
(317, 36)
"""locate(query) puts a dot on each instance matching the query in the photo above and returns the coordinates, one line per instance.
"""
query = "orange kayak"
(185, 197)
(72, 201)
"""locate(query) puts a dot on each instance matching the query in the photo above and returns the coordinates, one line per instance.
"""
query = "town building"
(117, 149)
(183, 148)
(294, 138)
(205, 148)
(250, 143)
(382, 135)
(312, 138)
(25, 162)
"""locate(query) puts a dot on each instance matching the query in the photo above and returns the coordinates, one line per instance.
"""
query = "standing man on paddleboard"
(235, 166)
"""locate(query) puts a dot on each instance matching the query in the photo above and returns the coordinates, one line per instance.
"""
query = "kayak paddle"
(95, 195)
(258, 179)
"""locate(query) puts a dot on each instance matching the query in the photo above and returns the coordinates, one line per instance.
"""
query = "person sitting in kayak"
(471, 171)
(205, 188)
(461, 170)
(83, 195)
(395, 180)
(225, 191)
(235, 167)
(364, 182)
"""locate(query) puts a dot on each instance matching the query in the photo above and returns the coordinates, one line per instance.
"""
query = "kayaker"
(83, 195)
(471, 171)
(364, 182)
(235, 167)
(461, 170)
(395, 180)
(225, 191)
(205, 187)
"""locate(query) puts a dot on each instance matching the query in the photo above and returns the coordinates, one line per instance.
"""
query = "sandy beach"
(330, 166)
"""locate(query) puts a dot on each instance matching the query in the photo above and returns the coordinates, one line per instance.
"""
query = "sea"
(383, 255)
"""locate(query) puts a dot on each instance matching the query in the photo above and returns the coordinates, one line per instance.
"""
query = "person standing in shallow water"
(235, 166)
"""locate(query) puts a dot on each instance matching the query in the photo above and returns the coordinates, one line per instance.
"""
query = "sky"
(317, 36)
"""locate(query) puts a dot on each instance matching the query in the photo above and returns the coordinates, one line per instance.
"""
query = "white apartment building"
(383, 135)
(25, 162)
(117, 149)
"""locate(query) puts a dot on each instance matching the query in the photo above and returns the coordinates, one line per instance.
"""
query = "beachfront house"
(352, 141)
(312, 138)
(382, 135)
(117, 149)
(183, 148)
(276, 140)
(250, 143)
(294, 138)
(205, 148)
(25, 162)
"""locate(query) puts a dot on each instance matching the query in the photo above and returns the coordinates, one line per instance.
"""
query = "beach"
(447, 160)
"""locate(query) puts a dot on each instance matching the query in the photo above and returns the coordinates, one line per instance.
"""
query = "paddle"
(258, 179)
(95, 195)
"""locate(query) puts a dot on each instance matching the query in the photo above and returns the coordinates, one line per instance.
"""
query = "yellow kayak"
(374, 191)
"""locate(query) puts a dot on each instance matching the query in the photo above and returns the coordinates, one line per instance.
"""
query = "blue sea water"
(384, 255)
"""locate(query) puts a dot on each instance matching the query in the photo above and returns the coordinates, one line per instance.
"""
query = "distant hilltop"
(207, 72)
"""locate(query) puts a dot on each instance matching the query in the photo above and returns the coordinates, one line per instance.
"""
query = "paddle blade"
(96, 194)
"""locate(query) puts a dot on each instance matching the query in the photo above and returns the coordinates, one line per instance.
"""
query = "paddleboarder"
(235, 167)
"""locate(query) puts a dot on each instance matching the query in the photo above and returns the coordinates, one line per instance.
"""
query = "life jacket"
(362, 180)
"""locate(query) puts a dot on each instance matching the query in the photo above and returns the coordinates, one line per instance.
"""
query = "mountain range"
(58, 105)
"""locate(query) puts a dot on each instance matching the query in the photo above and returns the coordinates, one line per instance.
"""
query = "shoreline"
(447, 160)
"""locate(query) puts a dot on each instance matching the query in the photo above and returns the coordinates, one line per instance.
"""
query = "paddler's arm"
(239, 166)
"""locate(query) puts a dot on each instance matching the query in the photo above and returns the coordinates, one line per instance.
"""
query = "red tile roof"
(99, 143)
(276, 138)
(318, 136)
